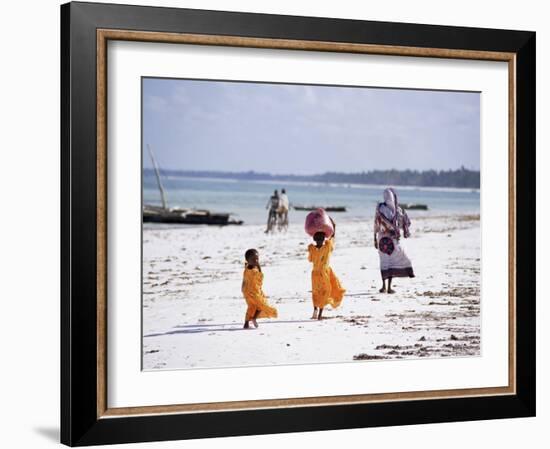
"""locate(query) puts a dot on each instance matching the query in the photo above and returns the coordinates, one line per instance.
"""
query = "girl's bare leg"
(383, 289)
(314, 316)
(320, 317)
(256, 315)
(389, 286)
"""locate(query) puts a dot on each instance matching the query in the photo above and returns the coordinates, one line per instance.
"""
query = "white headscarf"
(393, 213)
(389, 207)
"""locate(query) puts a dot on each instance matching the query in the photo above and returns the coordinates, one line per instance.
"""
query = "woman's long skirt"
(393, 260)
(326, 288)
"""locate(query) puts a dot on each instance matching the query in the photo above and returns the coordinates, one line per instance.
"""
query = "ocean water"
(246, 200)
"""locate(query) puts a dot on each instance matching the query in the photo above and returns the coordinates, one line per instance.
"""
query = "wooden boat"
(157, 214)
(413, 206)
(176, 215)
(327, 208)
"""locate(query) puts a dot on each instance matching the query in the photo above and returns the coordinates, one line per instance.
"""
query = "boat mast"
(162, 195)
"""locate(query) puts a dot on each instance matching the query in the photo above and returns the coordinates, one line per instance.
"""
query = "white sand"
(193, 309)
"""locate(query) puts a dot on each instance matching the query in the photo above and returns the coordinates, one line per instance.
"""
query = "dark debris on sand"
(369, 357)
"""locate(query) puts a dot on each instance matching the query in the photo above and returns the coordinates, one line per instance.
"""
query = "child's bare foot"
(255, 323)
(391, 290)
(382, 290)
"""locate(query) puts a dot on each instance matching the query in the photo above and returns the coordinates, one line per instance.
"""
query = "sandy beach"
(193, 309)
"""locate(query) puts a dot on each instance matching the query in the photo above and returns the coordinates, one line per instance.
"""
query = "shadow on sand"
(229, 327)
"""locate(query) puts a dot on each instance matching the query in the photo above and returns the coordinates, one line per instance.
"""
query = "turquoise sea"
(247, 200)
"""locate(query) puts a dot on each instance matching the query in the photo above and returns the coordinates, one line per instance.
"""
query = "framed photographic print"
(281, 224)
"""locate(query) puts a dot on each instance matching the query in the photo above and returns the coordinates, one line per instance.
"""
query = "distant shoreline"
(430, 179)
(330, 184)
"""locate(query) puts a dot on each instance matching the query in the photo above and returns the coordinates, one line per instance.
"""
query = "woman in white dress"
(389, 220)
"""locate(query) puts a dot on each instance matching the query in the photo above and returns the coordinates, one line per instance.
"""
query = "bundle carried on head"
(319, 221)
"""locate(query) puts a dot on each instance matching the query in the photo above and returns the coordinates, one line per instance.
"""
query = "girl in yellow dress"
(325, 286)
(253, 278)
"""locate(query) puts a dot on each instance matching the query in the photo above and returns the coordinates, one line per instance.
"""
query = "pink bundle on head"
(319, 221)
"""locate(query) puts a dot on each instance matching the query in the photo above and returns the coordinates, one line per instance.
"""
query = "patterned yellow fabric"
(325, 286)
(254, 296)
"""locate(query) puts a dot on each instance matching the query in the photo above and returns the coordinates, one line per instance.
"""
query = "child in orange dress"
(253, 278)
(325, 286)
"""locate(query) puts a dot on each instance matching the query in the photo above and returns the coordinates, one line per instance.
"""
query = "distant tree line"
(461, 178)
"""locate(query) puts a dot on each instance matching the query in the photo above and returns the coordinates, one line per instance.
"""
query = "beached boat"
(327, 208)
(414, 206)
(176, 215)
(157, 214)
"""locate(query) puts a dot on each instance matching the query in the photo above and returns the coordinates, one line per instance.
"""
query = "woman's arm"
(376, 229)
(406, 225)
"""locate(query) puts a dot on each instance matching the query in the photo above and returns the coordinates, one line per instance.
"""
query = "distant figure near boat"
(388, 222)
(277, 215)
(272, 206)
(282, 211)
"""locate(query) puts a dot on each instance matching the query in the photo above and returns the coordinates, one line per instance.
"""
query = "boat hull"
(158, 215)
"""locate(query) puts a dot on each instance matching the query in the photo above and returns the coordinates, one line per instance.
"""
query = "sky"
(306, 129)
